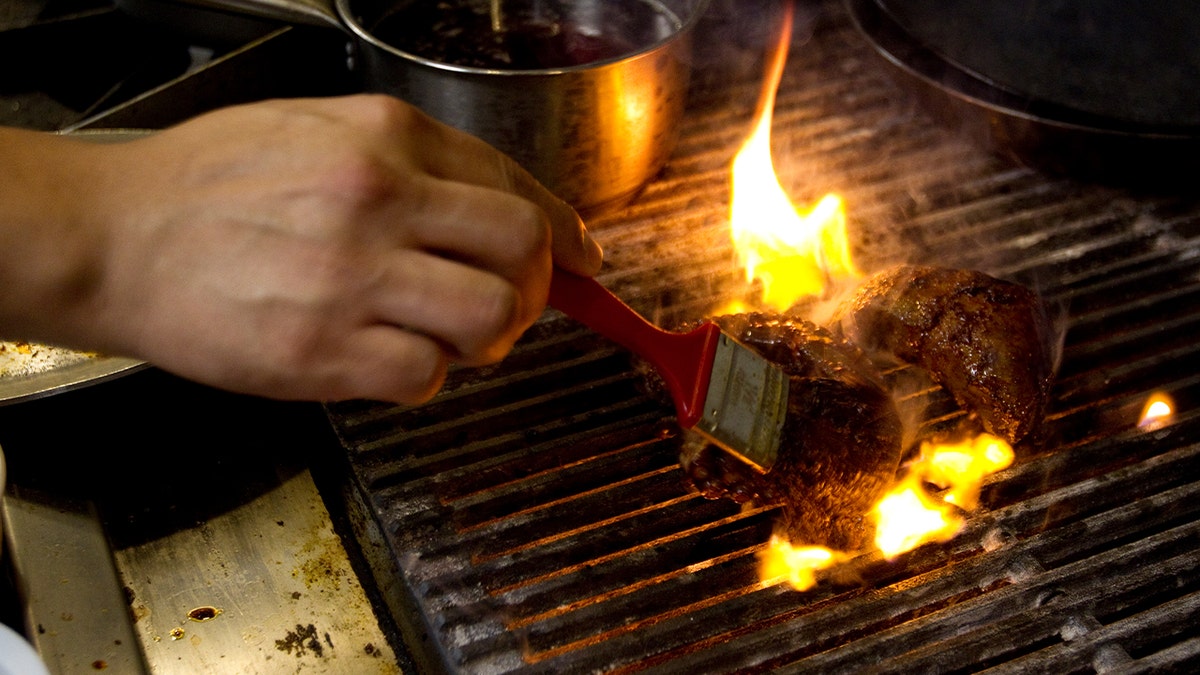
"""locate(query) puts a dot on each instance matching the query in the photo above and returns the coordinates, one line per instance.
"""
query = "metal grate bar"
(536, 512)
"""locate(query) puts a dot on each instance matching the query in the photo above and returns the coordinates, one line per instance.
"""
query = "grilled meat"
(986, 341)
(842, 440)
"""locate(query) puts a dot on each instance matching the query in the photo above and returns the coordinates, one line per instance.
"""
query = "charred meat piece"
(986, 341)
(842, 440)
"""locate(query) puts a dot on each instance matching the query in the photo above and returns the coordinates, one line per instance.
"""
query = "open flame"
(793, 253)
(797, 565)
(929, 504)
(960, 468)
(797, 253)
(912, 514)
(1158, 412)
(908, 517)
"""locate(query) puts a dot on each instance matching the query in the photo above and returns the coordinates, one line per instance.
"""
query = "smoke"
(731, 43)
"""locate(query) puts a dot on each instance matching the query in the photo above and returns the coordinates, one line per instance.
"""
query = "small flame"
(960, 468)
(797, 565)
(733, 307)
(794, 254)
(1158, 411)
(910, 516)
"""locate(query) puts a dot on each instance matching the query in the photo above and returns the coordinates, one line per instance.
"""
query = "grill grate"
(532, 517)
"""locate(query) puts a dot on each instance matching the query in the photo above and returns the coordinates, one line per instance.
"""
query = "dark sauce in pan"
(533, 35)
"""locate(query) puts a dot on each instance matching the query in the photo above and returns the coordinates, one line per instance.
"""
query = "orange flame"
(909, 515)
(797, 565)
(1158, 412)
(960, 468)
(794, 254)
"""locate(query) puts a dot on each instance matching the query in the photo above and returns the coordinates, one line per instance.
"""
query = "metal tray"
(49, 370)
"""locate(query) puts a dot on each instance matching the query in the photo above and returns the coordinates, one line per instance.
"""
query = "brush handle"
(684, 360)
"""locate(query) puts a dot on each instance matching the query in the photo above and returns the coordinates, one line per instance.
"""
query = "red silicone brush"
(721, 388)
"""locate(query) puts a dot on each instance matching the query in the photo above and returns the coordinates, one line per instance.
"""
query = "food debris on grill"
(986, 341)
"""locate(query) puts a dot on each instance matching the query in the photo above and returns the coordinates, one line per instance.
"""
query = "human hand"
(321, 249)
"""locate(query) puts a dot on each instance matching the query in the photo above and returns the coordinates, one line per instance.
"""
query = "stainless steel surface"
(1106, 62)
(159, 526)
(311, 12)
(1078, 93)
(263, 587)
(248, 72)
(74, 608)
(56, 370)
(280, 585)
(593, 134)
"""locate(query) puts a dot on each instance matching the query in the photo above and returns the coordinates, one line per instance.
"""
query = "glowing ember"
(797, 565)
(1158, 411)
(793, 254)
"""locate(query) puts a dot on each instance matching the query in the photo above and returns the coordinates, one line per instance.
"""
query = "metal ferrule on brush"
(746, 404)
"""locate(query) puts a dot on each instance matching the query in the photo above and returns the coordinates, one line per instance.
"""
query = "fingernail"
(593, 251)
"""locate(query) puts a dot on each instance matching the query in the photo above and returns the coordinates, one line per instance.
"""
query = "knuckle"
(499, 308)
(492, 322)
(392, 118)
(363, 178)
(514, 177)
(422, 369)
(385, 112)
(529, 238)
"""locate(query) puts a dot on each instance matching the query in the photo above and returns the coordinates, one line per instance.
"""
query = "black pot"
(1103, 90)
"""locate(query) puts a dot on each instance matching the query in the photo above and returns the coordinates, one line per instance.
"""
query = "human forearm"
(50, 247)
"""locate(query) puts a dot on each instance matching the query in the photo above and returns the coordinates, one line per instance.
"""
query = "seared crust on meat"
(985, 340)
(841, 441)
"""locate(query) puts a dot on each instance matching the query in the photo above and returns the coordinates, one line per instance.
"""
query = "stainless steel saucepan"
(594, 127)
